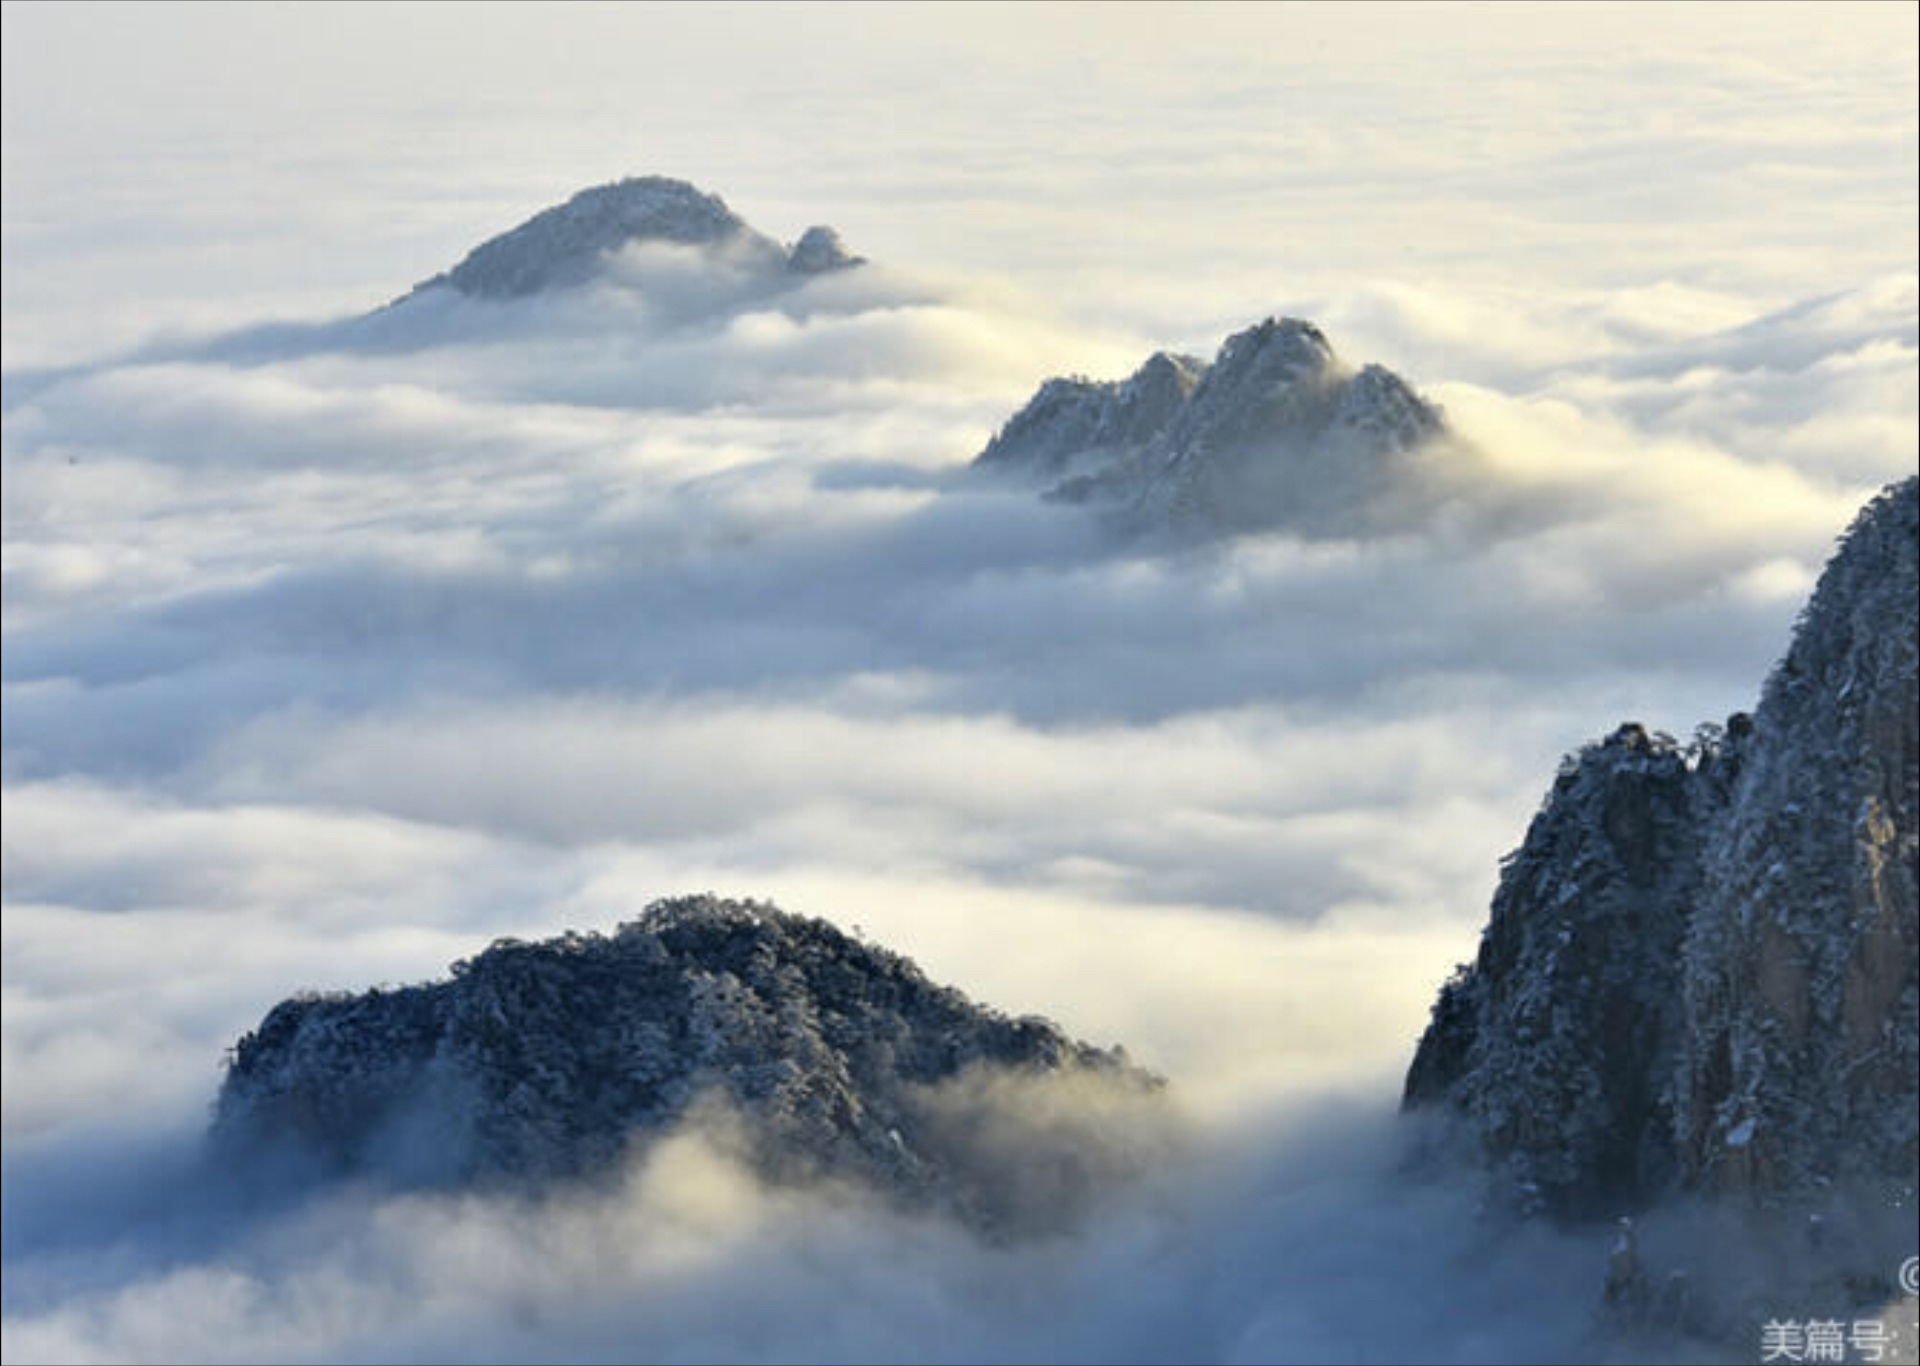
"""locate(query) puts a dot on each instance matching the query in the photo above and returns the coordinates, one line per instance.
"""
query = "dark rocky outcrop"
(1093, 427)
(1702, 965)
(820, 249)
(1552, 1043)
(1276, 431)
(544, 1060)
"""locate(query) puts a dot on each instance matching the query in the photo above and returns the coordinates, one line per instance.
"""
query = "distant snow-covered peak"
(569, 243)
(1276, 431)
(819, 249)
(1278, 346)
(1379, 405)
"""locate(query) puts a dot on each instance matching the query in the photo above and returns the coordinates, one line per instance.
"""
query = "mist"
(341, 639)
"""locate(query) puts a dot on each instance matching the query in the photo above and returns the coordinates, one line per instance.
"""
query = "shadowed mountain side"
(1698, 985)
(1275, 432)
(568, 244)
(819, 1055)
(1701, 966)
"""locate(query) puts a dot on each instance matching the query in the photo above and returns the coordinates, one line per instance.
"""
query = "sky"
(336, 647)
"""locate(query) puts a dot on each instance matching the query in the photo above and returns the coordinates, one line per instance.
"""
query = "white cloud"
(334, 648)
(1254, 1250)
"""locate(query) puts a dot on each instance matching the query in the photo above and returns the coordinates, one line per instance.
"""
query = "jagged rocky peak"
(543, 1060)
(1274, 353)
(568, 244)
(820, 249)
(1148, 398)
(1076, 419)
(1277, 379)
(1381, 407)
(1171, 375)
(1702, 966)
(1276, 431)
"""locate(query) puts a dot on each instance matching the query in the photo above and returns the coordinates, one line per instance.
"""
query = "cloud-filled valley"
(339, 643)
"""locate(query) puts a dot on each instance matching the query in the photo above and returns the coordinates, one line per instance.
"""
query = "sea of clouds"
(337, 643)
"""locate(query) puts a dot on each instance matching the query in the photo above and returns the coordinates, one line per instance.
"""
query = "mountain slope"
(1702, 966)
(1553, 1043)
(568, 244)
(1078, 422)
(1798, 1059)
(547, 1060)
(1276, 431)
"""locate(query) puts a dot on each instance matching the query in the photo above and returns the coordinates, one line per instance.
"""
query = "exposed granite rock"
(1701, 967)
(1799, 1053)
(1552, 1043)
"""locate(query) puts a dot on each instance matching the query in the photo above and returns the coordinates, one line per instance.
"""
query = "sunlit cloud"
(340, 640)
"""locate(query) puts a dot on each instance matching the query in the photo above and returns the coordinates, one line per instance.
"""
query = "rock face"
(1702, 965)
(567, 244)
(1093, 427)
(1553, 1043)
(546, 1060)
(1798, 1059)
(1276, 431)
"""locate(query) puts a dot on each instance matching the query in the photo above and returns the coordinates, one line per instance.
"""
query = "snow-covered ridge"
(1275, 431)
(567, 244)
(545, 1060)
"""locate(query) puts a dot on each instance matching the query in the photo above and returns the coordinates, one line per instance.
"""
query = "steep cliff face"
(1276, 431)
(1553, 1043)
(1700, 969)
(548, 1060)
(1799, 1054)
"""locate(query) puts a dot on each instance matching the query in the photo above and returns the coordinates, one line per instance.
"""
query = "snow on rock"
(820, 249)
(1275, 431)
(544, 1060)
(1702, 965)
(1553, 1044)
(568, 244)
(1092, 429)
(1801, 970)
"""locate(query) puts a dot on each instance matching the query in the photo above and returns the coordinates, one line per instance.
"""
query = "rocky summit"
(821, 249)
(1702, 965)
(1275, 431)
(568, 244)
(832, 1056)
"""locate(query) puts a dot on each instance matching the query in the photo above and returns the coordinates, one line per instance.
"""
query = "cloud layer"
(336, 646)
